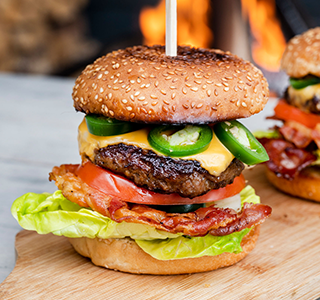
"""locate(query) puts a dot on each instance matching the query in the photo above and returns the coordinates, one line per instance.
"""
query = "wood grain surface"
(284, 264)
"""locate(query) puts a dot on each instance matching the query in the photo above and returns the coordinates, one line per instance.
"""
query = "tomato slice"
(288, 112)
(122, 188)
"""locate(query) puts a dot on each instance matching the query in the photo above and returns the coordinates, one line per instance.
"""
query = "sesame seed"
(163, 92)
(186, 106)
(99, 76)
(244, 104)
(194, 89)
(132, 115)
(100, 100)
(204, 86)
(101, 90)
(226, 89)
(216, 93)
(137, 93)
(111, 113)
(124, 101)
(166, 102)
(172, 87)
(132, 81)
(115, 88)
(197, 81)
(188, 84)
(141, 98)
(139, 80)
(218, 84)
(154, 103)
(96, 97)
(132, 97)
(142, 86)
(156, 83)
(153, 97)
(199, 105)
(110, 96)
(173, 95)
(165, 109)
(209, 93)
(129, 108)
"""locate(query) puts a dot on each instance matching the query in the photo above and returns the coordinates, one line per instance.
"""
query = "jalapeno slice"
(104, 126)
(240, 142)
(180, 141)
(300, 83)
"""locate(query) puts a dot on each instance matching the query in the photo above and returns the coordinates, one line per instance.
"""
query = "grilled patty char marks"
(163, 174)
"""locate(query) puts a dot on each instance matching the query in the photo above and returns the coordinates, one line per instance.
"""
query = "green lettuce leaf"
(53, 213)
(270, 134)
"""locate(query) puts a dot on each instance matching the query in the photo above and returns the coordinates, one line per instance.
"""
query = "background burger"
(294, 150)
(159, 189)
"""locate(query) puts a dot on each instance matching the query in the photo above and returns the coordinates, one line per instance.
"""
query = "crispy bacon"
(285, 159)
(206, 220)
(316, 135)
(296, 133)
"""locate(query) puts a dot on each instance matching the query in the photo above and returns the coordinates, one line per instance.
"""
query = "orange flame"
(192, 28)
(269, 43)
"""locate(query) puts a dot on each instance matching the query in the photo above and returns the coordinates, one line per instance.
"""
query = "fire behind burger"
(294, 150)
(159, 189)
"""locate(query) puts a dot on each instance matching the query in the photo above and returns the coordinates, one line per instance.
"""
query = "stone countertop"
(38, 130)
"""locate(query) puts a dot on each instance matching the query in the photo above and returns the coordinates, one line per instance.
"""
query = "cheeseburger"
(294, 165)
(159, 189)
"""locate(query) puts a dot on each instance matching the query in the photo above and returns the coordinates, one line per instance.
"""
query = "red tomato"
(122, 188)
(288, 112)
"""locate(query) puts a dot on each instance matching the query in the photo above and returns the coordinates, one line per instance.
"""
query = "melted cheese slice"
(304, 94)
(215, 159)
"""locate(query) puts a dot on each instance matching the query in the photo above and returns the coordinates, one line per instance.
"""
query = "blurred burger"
(160, 188)
(294, 149)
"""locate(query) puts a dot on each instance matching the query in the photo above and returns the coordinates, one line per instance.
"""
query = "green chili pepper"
(300, 83)
(180, 141)
(104, 126)
(240, 142)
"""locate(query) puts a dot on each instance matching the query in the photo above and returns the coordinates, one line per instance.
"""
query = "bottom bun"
(126, 256)
(305, 185)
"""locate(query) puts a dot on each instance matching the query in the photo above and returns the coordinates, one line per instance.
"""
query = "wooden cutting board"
(284, 265)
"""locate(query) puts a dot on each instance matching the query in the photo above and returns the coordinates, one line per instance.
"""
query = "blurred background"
(59, 37)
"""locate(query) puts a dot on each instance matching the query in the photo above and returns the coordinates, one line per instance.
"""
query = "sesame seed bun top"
(302, 54)
(142, 84)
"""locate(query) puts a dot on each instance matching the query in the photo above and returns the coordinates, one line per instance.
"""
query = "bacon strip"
(213, 220)
(285, 159)
(296, 133)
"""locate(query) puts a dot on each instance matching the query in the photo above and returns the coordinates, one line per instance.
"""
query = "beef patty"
(310, 106)
(163, 174)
